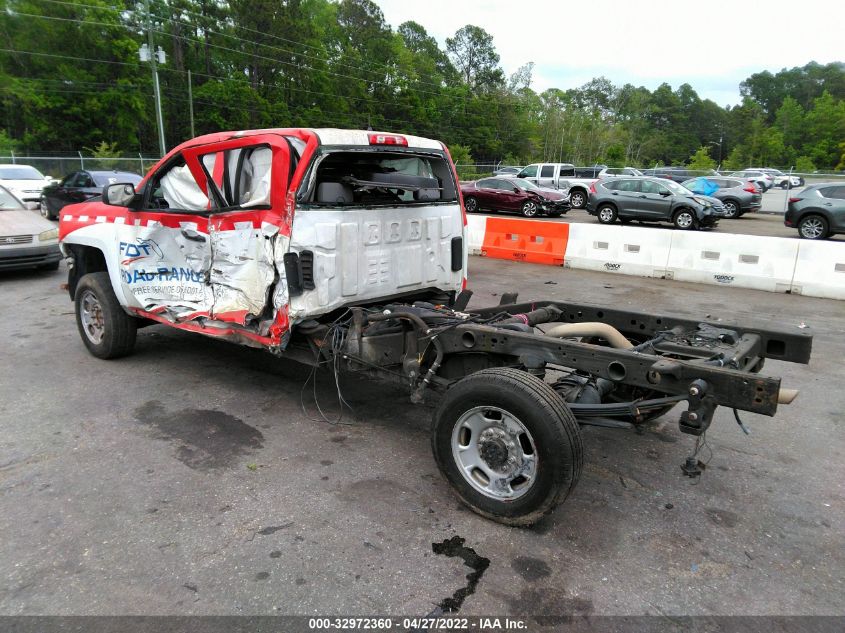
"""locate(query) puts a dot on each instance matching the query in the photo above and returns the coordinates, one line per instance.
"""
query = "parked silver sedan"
(26, 239)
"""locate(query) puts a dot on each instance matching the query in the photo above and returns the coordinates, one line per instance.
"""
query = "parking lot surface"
(186, 479)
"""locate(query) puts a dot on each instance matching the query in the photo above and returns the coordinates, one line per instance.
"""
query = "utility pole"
(191, 103)
(147, 52)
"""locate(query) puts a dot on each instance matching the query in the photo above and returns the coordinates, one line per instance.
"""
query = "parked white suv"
(782, 180)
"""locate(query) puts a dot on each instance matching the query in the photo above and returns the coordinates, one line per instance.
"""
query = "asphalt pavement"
(186, 479)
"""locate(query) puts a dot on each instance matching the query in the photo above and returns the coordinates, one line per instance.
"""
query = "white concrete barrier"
(775, 264)
(476, 225)
(747, 261)
(820, 270)
(618, 249)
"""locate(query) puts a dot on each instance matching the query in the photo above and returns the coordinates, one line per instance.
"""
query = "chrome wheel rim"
(471, 205)
(730, 210)
(494, 453)
(606, 214)
(812, 228)
(576, 199)
(529, 209)
(684, 220)
(91, 314)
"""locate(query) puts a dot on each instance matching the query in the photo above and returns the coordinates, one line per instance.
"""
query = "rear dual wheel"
(508, 445)
(578, 199)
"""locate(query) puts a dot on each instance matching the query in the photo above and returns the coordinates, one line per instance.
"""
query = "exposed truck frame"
(592, 365)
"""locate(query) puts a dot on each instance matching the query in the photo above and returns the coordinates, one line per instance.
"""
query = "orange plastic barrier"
(526, 240)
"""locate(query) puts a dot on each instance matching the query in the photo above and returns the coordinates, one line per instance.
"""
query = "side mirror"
(119, 194)
(516, 189)
(32, 206)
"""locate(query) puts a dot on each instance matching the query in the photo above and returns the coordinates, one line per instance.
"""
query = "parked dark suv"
(818, 211)
(651, 200)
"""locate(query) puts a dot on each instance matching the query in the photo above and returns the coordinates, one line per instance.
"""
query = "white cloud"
(711, 45)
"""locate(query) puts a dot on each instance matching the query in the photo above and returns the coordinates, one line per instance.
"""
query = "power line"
(77, 59)
(440, 95)
(326, 59)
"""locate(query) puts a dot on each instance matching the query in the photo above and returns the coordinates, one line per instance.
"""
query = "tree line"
(72, 78)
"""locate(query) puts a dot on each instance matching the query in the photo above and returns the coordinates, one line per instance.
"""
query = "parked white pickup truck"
(559, 176)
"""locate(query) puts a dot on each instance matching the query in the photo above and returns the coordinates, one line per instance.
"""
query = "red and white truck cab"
(241, 235)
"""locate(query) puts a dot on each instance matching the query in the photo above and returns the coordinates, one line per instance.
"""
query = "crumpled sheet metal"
(242, 269)
(161, 266)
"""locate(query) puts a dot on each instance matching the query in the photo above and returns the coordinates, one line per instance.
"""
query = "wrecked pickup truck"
(347, 249)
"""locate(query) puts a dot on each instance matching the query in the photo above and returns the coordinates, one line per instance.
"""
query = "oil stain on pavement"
(205, 439)
(454, 547)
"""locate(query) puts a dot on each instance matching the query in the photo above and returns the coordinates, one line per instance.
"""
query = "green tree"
(804, 165)
(474, 56)
(701, 159)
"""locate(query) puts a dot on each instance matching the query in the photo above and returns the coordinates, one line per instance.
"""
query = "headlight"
(702, 202)
(45, 236)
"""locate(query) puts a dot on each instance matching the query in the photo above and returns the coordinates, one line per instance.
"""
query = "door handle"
(643, 196)
(828, 204)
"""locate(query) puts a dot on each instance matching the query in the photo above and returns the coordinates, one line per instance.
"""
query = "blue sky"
(711, 45)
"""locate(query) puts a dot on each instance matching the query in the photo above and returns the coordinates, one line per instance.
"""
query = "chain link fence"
(60, 166)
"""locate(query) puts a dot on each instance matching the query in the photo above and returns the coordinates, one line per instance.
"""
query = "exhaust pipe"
(602, 330)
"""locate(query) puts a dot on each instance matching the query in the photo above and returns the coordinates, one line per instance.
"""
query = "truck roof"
(325, 136)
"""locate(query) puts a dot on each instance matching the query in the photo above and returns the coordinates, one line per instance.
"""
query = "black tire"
(578, 199)
(784, 185)
(552, 436)
(530, 209)
(684, 219)
(606, 213)
(470, 204)
(813, 227)
(732, 209)
(106, 330)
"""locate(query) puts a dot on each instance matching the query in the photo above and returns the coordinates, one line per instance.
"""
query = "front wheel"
(578, 199)
(529, 208)
(508, 445)
(470, 204)
(812, 227)
(606, 214)
(684, 220)
(106, 330)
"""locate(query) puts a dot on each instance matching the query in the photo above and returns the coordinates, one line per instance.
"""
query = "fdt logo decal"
(139, 250)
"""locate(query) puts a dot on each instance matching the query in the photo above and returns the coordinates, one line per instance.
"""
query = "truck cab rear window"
(380, 178)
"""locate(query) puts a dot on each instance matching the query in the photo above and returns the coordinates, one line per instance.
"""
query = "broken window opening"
(373, 178)
(240, 177)
(177, 190)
